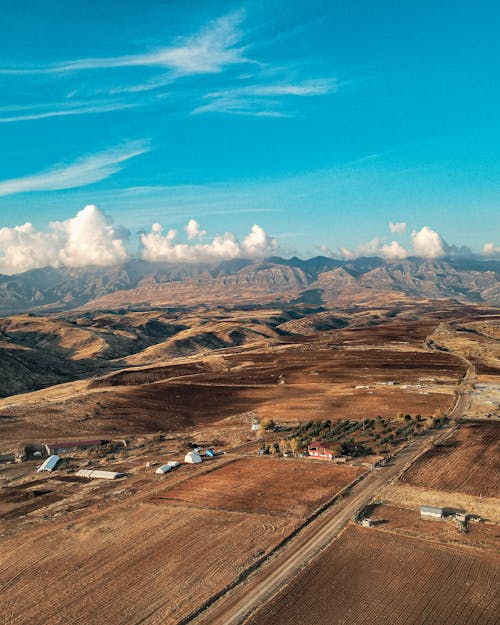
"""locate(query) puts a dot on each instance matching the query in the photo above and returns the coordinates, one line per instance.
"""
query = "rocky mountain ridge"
(138, 283)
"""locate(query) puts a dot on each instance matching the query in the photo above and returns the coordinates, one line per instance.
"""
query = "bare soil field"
(272, 486)
(468, 462)
(140, 564)
(407, 522)
(368, 576)
(296, 381)
(408, 496)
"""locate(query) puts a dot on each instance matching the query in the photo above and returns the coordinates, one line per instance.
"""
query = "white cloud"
(397, 228)
(393, 250)
(489, 249)
(209, 51)
(82, 172)
(264, 100)
(86, 239)
(428, 243)
(193, 230)
(163, 248)
(63, 112)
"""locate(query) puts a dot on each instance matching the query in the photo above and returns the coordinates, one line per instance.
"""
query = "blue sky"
(320, 121)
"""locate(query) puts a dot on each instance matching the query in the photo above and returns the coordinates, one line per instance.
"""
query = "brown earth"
(262, 486)
(146, 564)
(368, 576)
(468, 462)
(407, 522)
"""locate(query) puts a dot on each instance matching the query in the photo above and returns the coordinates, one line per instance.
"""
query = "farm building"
(431, 512)
(210, 453)
(192, 457)
(325, 451)
(165, 468)
(49, 464)
(173, 464)
(68, 446)
(97, 474)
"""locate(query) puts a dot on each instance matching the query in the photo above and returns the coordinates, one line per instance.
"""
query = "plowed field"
(468, 462)
(262, 486)
(368, 577)
(148, 565)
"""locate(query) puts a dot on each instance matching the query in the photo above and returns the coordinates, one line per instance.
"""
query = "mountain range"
(321, 279)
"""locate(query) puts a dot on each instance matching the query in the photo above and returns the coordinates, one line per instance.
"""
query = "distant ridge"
(139, 282)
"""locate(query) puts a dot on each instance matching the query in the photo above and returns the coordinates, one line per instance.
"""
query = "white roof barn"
(192, 457)
(165, 468)
(97, 474)
(49, 464)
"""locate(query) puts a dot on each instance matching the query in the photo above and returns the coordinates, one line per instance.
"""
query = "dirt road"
(233, 607)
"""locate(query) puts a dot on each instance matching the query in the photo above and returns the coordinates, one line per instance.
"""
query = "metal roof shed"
(49, 464)
(173, 463)
(97, 474)
(165, 468)
(431, 511)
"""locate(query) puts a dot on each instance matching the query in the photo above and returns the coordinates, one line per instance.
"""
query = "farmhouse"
(68, 446)
(431, 512)
(192, 457)
(49, 464)
(318, 449)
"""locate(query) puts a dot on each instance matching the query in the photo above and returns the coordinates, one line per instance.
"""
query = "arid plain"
(257, 384)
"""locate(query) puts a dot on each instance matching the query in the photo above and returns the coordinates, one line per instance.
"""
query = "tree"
(267, 424)
(294, 446)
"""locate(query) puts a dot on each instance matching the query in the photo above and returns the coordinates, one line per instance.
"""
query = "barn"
(65, 447)
(97, 474)
(431, 512)
(49, 464)
(165, 468)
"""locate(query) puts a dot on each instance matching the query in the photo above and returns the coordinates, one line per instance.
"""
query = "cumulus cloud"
(489, 249)
(428, 243)
(398, 227)
(157, 247)
(86, 239)
(393, 250)
(193, 230)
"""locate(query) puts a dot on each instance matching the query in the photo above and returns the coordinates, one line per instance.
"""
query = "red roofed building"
(318, 449)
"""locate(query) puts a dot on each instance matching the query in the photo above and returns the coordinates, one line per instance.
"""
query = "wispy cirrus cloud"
(81, 172)
(263, 99)
(63, 112)
(209, 51)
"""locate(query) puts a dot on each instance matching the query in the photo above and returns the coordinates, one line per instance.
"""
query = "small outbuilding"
(173, 464)
(192, 457)
(210, 453)
(431, 512)
(165, 468)
(49, 464)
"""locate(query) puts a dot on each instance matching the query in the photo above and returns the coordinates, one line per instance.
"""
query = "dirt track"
(235, 606)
